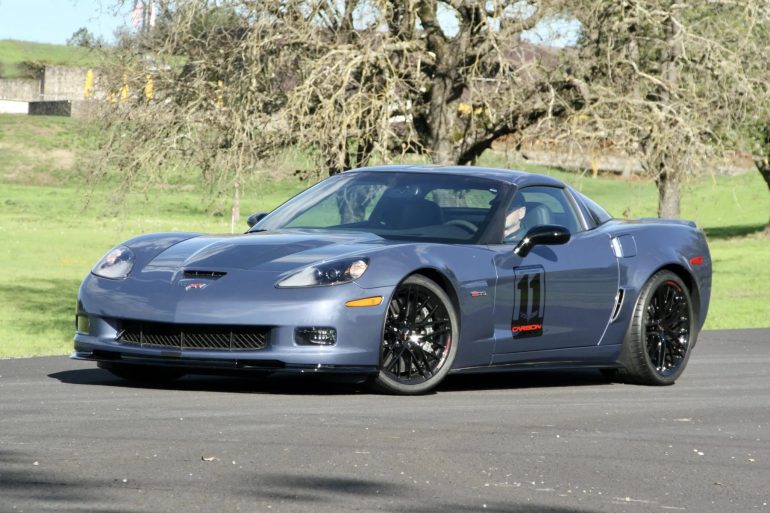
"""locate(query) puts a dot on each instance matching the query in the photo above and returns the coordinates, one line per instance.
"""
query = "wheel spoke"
(409, 304)
(395, 359)
(661, 353)
(427, 315)
(436, 333)
(424, 370)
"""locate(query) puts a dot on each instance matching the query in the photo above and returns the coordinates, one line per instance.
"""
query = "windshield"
(408, 206)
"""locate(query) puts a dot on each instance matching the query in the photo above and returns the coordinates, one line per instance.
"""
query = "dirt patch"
(44, 130)
(25, 165)
(65, 159)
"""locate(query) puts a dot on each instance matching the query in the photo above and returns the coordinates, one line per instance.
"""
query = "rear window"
(597, 213)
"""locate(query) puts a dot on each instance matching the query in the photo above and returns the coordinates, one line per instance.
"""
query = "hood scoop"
(211, 275)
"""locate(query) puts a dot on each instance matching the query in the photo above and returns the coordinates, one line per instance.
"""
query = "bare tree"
(353, 80)
(444, 78)
(669, 81)
(199, 92)
(349, 78)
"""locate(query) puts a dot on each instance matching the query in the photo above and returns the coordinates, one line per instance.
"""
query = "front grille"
(192, 336)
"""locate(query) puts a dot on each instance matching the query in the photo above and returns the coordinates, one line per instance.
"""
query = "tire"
(142, 374)
(419, 341)
(662, 333)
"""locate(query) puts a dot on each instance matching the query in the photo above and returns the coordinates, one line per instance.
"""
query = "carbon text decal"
(529, 302)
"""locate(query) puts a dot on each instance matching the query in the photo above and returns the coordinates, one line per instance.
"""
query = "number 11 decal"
(528, 302)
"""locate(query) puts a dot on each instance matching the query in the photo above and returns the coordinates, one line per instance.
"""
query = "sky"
(54, 21)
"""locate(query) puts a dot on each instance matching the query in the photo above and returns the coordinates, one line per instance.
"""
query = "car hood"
(275, 251)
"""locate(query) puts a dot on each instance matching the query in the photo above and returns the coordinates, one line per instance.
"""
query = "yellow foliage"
(149, 89)
(465, 109)
(88, 87)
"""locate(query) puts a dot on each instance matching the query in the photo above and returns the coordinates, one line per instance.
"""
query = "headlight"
(116, 264)
(332, 273)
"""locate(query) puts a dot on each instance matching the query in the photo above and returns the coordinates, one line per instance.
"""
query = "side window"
(534, 206)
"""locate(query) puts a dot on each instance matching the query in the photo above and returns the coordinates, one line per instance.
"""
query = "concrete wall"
(13, 107)
(85, 108)
(23, 89)
(54, 108)
(63, 83)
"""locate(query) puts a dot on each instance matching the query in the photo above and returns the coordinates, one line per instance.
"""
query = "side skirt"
(571, 358)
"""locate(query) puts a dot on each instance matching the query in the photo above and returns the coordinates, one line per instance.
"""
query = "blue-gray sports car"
(400, 275)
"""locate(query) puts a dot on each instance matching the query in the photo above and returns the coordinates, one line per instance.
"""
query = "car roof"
(518, 178)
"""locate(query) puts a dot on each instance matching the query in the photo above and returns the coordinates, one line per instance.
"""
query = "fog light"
(82, 324)
(315, 336)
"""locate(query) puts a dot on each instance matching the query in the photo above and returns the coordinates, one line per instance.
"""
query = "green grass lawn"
(13, 52)
(50, 238)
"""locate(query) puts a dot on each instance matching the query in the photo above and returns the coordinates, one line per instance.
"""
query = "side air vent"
(192, 273)
(618, 304)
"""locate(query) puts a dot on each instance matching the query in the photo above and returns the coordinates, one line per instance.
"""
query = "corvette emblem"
(196, 285)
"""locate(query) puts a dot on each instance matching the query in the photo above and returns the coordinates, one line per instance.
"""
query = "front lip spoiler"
(205, 365)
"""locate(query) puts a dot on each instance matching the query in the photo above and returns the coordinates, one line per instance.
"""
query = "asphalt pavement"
(74, 438)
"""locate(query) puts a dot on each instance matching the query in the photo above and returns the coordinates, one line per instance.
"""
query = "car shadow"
(327, 385)
(522, 379)
(326, 491)
(28, 486)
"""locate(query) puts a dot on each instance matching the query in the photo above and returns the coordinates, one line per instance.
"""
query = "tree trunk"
(763, 165)
(442, 151)
(668, 176)
(235, 213)
(668, 195)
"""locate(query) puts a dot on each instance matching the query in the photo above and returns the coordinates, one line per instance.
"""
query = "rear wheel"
(662, 332)
(419, 338)
(142, 374)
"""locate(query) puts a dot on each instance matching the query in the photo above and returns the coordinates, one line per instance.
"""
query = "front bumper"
(201, 365)
(107, 304)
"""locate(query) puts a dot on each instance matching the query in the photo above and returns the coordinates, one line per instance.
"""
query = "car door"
(557, 296)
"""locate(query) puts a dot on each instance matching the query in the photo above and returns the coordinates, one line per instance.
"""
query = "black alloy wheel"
(667, 328)
(662, 332)
(419, 338)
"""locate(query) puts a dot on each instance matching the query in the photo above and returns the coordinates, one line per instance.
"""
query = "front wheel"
(419, 340)
(662, 332)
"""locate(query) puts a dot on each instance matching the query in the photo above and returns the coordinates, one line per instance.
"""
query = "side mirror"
(255, 218)
(546, 234)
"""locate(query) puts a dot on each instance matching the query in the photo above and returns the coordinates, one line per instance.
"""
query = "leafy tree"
(83, 38)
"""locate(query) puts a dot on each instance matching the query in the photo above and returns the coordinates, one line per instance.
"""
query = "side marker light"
(696, 260)
(365, 301)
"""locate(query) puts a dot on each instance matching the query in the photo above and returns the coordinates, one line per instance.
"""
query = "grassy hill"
(13, 53)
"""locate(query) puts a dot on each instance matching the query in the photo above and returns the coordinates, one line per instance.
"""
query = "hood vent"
(213, 275)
